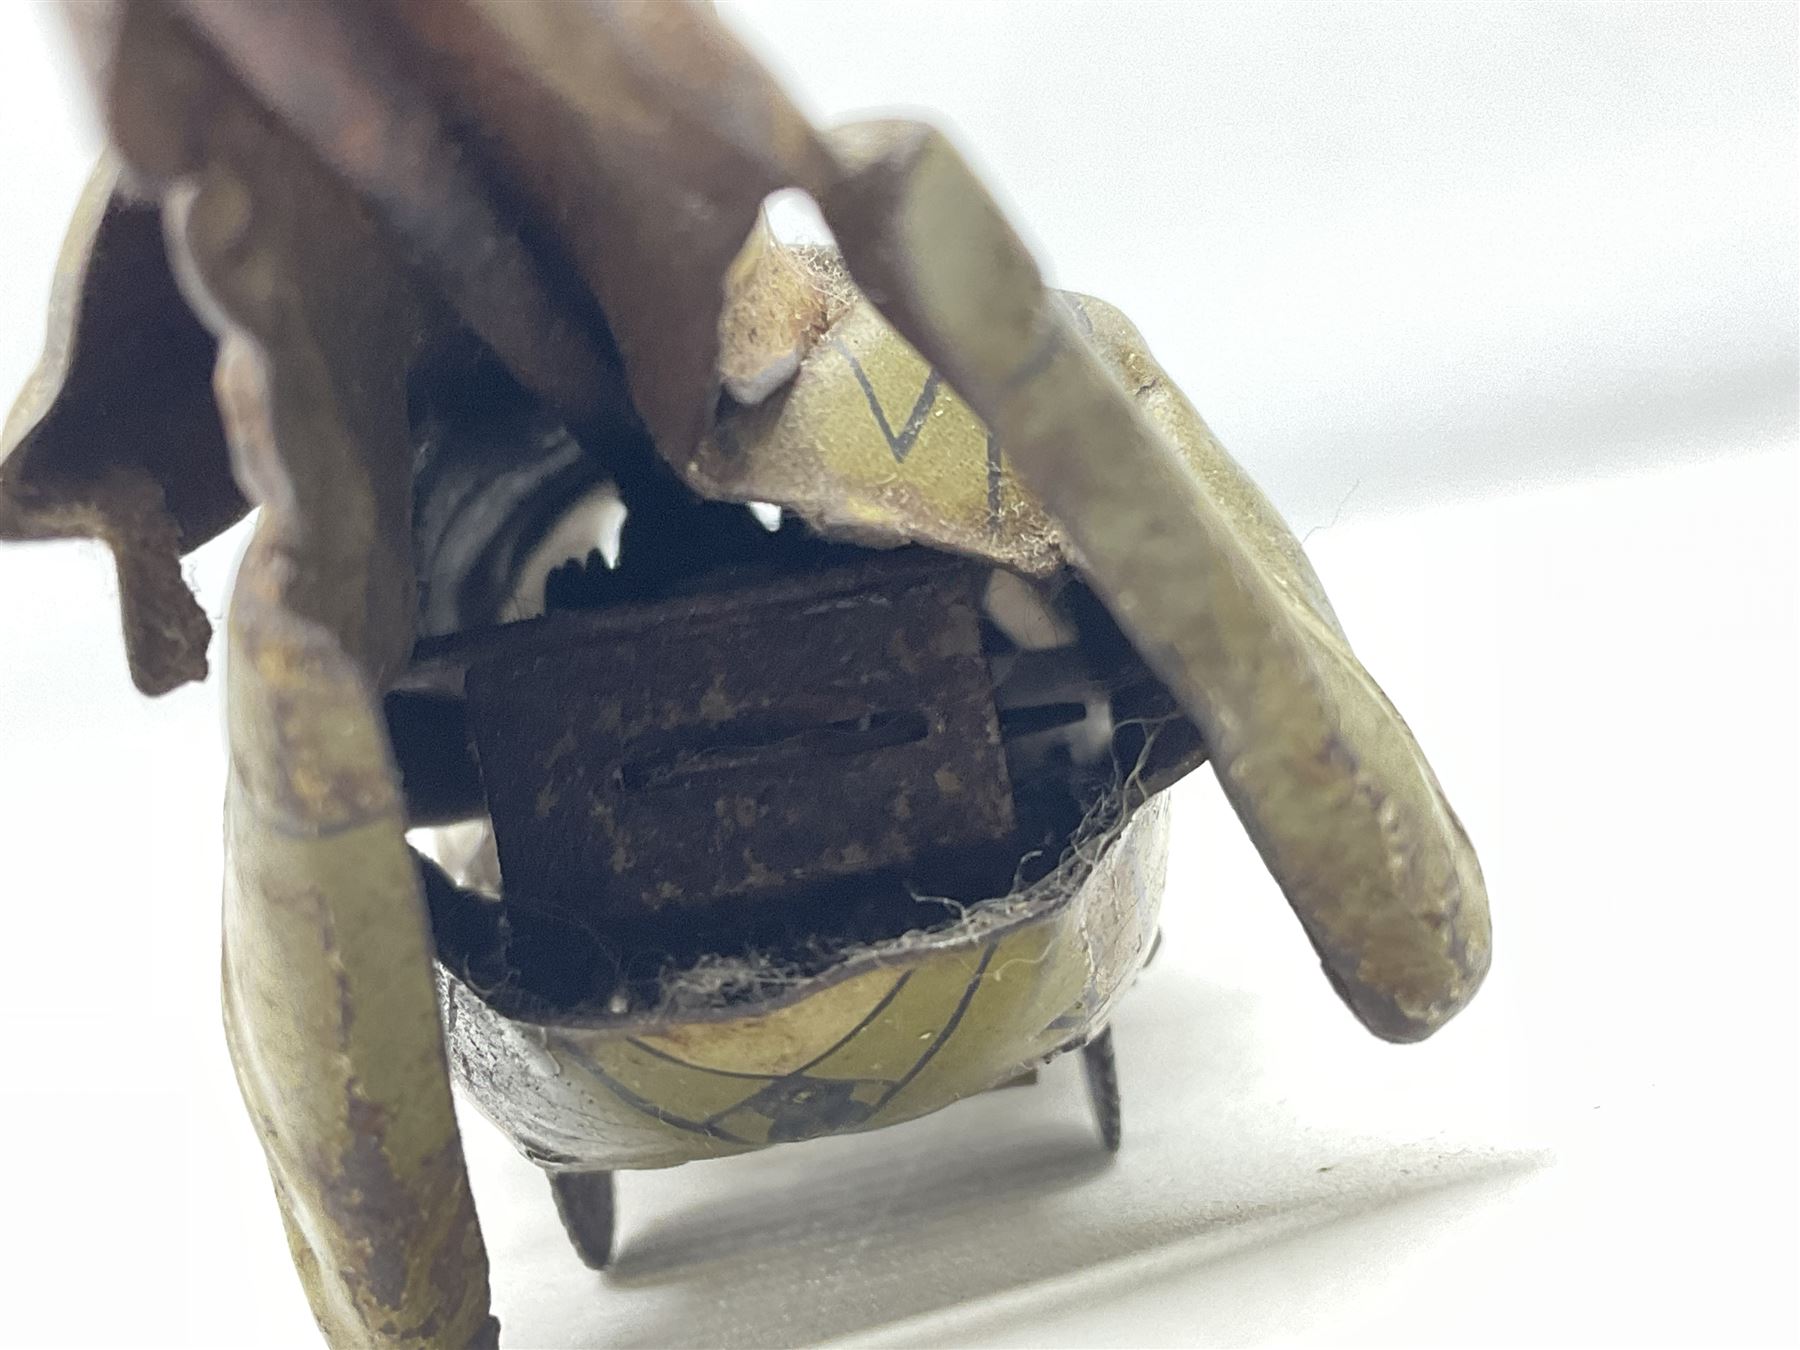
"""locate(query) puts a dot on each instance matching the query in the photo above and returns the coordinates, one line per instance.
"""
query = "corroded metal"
(116, 437)
(331, 206)
(345, 82)
(1202, 575)
(734, 747)
(329, 1007)
(892, 1031)
(643, 139)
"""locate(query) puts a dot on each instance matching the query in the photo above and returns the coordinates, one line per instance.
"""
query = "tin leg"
(1102, 1074)
(584, 1202)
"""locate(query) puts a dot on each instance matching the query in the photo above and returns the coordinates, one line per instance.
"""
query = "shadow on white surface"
(927, 1233)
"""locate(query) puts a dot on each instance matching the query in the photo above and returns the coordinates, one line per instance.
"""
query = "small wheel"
(1102, 1074)
(584, 1202)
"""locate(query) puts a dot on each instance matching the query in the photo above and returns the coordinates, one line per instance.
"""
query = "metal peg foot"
(1102, 1074)
(584, 1202)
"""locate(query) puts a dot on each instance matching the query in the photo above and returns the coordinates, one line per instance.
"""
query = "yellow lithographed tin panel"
(640, 1069)
(781, 1041)
(994, 1005)
(925, 1022)
(869, 440)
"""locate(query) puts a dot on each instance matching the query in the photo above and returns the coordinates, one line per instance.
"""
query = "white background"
(1500, 304)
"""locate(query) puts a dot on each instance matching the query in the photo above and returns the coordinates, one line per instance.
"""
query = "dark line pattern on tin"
(827, 1053)
(652, 1110)
(968, 997)
(857, 1030)
(667, 1058)
(795, 1075)
(900, 444)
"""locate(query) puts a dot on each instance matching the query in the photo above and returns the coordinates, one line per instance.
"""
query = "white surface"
(1525, 280)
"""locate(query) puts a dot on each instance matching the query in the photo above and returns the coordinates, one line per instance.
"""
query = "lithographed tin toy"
(722, 827)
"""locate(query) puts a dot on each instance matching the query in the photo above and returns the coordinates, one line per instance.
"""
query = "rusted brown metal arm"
(343, 79)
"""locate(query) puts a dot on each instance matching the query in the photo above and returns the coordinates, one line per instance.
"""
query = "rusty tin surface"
(316, 201)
